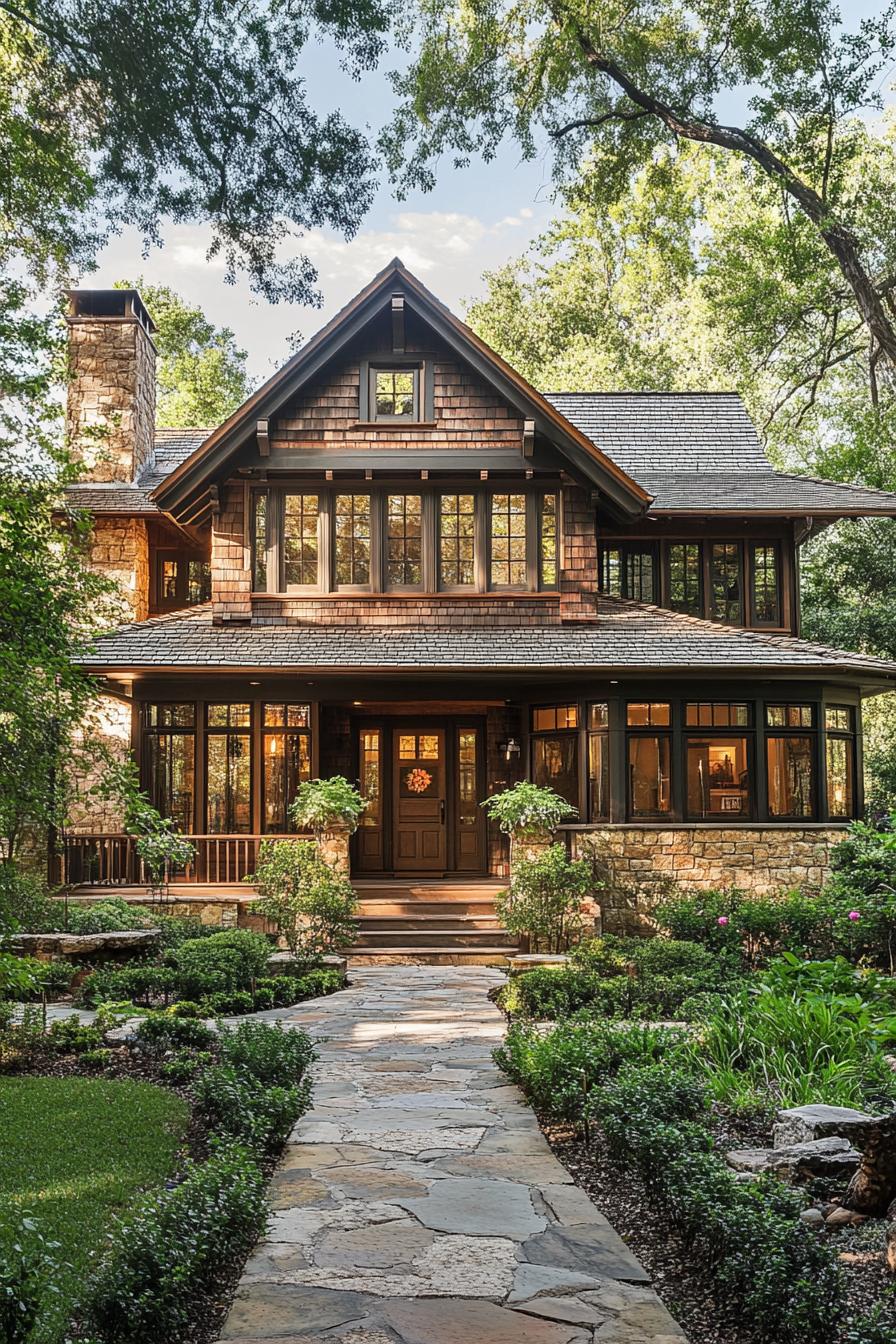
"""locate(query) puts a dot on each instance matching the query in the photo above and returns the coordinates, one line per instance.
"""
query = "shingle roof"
(699, 452)
(627, 635)
(170, 448)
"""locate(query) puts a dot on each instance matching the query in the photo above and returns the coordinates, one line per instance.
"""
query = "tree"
(615, 84)
(50, 607)
(201, 372)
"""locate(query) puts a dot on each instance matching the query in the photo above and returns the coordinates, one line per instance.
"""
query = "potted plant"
(528, 813)
(331, 810)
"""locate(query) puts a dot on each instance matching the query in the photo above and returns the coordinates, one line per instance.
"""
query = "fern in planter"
(527, 812)
(323, 805)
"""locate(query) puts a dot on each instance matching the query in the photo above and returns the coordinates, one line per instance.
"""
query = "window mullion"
(533, 538)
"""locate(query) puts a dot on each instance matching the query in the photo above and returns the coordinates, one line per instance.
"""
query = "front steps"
(429, 922)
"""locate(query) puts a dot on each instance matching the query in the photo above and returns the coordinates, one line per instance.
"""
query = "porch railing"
(112, 860)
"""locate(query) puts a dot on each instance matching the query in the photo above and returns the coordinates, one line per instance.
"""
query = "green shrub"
(160, 1032)
(185, 1065)
(263, 998)
(100, 1058)
(545, 899)
(177, 929)
(316, 983)
(232, 1003)
(236, 1105)
(783, 1279)
(322, 805)
(528, 811)
(69, 1037)
(143, 983)
(26, 906)
(230, 960)
(172, 1248)
(24, 1273)
(311, 905)
(49, 978)
(283, 988)
(113, 915)
(185, 1008)
(267, 1053)
(863, 882)
(559, 1069)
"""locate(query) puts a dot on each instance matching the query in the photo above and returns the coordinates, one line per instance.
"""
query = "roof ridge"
(842, 485)
(650, 392)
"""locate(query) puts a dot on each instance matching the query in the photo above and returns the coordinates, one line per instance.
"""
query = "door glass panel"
(428, 748)
(370, 780)
(466, 778)
(229, 783)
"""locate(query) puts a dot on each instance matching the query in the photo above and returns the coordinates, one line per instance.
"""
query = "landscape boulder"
(800, 1162)
(805, 1124)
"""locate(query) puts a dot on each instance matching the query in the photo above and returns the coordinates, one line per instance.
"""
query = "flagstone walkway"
(418, 1203)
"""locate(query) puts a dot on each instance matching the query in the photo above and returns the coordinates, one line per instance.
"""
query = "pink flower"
(854, 915)
(723, 920)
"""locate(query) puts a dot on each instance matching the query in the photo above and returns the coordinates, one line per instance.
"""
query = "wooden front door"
(419, 800)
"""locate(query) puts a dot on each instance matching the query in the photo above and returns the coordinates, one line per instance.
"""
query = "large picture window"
(286, 754)
(228, 769)
(169, 757)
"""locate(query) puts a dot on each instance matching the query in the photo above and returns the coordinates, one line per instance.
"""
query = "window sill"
(389, 425)
(499, 596)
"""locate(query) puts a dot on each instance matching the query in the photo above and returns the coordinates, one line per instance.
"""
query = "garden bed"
(147, 1162)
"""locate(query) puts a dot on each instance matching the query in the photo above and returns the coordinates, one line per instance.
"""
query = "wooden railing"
(112, 860)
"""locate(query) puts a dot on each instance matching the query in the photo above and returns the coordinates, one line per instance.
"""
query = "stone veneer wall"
(111, 397)
(640, 862)
(119, 548)
(94, 815)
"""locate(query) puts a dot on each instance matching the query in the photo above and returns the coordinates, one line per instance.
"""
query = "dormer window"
(395, 394)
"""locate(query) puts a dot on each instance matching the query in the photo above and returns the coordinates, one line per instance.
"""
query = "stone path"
(418, 1203)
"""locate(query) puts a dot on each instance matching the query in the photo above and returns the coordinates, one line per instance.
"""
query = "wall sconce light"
(510, 749)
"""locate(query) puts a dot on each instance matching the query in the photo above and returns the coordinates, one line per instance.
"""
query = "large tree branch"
(839, 239)
(589, 123)
(54, 34)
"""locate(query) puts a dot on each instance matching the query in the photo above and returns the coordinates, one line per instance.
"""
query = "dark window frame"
(697, 609)
(735, 545)
(600, 732)
(422, 365)
(849, 737)
(626, 551)
(156, 730)
(230, 730)
(754, 545)
(284, 730)
(693, 733)
(811, 734)
(182, 558)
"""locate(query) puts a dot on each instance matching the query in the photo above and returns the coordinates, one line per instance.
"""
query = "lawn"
(73, 1151)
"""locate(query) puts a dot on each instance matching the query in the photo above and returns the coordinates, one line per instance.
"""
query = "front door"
(419, 798)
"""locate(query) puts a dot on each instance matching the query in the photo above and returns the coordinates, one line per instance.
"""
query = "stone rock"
(532, 1281)
(812, 1217)
(570, 1310)
(77, 945)
(844, 1218)
(279, 962)
(528, 961)
(596, 1250)
(277, 1310)
(454, 1321)
(123, 1034)
(800, 1161)
(804, 1124)
(477, 1206)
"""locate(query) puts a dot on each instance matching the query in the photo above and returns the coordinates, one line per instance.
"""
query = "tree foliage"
(614, 85)
(200, 371)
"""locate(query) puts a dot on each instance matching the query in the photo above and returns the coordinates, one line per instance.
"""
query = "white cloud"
(449, 251)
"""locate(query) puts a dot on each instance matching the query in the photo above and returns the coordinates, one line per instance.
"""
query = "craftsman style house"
(400, 562)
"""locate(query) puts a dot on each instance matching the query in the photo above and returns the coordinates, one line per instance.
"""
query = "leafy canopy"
(200, 371)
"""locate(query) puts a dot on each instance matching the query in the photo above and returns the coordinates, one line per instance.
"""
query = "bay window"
(649, 759)
(790, 761)
(555, 750)
(840, 754)
(286, 755)
(717, 761)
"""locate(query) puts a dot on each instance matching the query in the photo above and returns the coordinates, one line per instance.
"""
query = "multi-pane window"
(404, 541)
(649, 758)
(352, 540)
(370, 777)
(467, 790)
(726, 582)
(555, 750)
(286, 752)
(169, 755)
(790, 760)
(228, 768)
(181, 580)
(629, 571)
(548, 718)
(598, 762)
(718, 764)
(648, 714)
(685, 577)
(765, 583)
(548, 550)
(507, 534)
(395, 394)
(300, 540)
(457, 541)
(840, 761)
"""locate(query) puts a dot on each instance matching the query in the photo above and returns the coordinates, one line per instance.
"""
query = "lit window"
(716, 714)
(789, 716)
(838, 718)
(791, 776)
(508, 541)
(169, 580)
(718, 777)
(840, 761)
(555, 765)
(286, 750)
(598, 762)
(548, 718)
(228, 769)
(395, 394)
(648, 715)
(649, 767)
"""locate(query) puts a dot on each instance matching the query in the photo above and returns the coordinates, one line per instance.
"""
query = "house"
(399, 562)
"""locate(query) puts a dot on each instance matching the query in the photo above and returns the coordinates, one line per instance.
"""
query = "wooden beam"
(264, 442)
(398, 324)
(528, 438)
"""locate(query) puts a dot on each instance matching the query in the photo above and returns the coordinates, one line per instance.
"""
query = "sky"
(475, 219)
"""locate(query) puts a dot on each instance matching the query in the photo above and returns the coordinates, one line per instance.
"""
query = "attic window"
(395, 394)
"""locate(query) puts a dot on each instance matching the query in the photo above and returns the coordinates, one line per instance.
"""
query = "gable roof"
(698, 452)
(627, 637)
(186, 488)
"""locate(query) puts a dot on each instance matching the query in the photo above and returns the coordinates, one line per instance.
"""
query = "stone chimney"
(112, 382)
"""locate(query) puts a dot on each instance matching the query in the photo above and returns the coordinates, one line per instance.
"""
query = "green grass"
(73, 1151)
